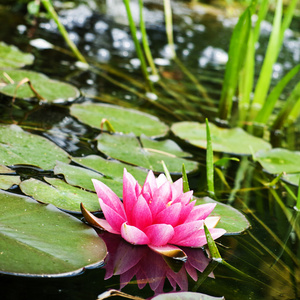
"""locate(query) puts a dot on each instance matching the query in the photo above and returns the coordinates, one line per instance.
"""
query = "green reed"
(239, 75)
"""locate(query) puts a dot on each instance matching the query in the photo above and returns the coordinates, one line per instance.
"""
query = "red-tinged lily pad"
(18, 147)
(38, 86)
(233, 221)
(122, 119)
(233, 140)
(40, 240)
(60, 194)
(145, 152)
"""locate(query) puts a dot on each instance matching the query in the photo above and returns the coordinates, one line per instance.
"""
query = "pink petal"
(141, 214)
(170, 215)
(150, 184)
(200, 212)
(184, 198)
(109, 197)
(161, 179)
(170, 251)
(177, 189)
(159, 234)
(185, 231)
(160, 198)
(199, 239)
(185, 211)
(129, 193)
(133, 235)
(112, 217)
(106, 226)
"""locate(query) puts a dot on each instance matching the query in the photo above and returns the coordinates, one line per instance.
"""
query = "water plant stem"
(138, 49)
(50, 9)
(169, 27)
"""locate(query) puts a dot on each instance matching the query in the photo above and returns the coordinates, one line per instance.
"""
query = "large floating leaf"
(186, 296)
(60, 194)
(44, 87)
(231, 220)
(12, 57)
(7, 181)
(235, 140)
(111, 168)
(279, 160)
(20, 147)
(122, 119)
(40, 240)
(145, 153)
(83, 178)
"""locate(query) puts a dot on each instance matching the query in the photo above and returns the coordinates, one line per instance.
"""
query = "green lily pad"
(82, 177)
(60, 194)
(291, 178)
(122, 119)
(234, 140)
(12, 57)
(20, 147)
(186, 296)
(279, 160)
(233, 221)
(41, 240)
(7, 181)
(49, 90)
(145, 152)
(111, 168)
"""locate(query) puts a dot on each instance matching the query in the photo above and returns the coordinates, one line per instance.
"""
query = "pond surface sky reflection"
(267, 254)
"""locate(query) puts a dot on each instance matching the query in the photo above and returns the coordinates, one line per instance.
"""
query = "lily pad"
(233, 221)
(111, 168)
(292, 178)
(82, 177)
(20, 147)
(145, 152)
(40, 240)
(186, 296)
(234, 140)
(12, 57)
(122, 119)
(7, 181)
(279, 160)
(42, 87)
(60, 194)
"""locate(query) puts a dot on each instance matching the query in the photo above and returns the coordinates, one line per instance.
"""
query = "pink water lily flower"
(158, 214)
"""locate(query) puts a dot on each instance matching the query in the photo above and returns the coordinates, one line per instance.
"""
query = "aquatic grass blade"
(213, 249)
(298, 199)
(236, 54)
(167, 172)
(271, 55)
(185, 181)
(169, 27)
(266, 111)
(50, 9)
(209, 162)
(290, 103)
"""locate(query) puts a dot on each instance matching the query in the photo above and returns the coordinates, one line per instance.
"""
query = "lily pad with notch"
(42, 241)
(82, 177)
(145, 152)
(28, 84)
(227, 140)
(20, 147)
(122, 119)
(59, 193)
(12, 57)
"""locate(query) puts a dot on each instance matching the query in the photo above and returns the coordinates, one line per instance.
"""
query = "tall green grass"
(239, 75)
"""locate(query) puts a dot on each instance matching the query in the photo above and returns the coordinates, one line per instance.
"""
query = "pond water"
(267, 254)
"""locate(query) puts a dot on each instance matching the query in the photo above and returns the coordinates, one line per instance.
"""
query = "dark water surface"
(268, 253)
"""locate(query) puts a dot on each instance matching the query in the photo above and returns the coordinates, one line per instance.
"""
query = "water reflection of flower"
(147, 266)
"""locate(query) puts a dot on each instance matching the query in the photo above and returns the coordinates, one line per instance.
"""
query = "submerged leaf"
(234, 140)
(40, 240)
(186, 296)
